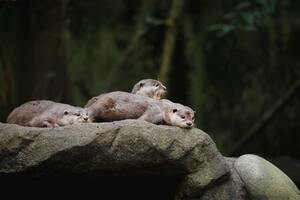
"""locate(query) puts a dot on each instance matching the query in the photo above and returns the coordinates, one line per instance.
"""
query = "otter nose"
(189, 123)
(85, 118)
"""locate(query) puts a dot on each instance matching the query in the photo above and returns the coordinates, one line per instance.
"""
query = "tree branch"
(266, 118)
(170, 38)
(129, 50)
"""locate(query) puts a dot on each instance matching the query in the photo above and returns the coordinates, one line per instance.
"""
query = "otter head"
(150, 88)
(73, 116)
(181, 116)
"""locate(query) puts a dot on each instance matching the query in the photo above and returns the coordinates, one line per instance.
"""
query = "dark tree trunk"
(47, 73)
(170, 40)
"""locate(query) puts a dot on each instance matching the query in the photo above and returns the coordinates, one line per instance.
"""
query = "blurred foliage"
(232, 61)
(247, 16)
(99, 41)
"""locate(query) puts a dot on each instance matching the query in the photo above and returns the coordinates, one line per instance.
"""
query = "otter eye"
(156, 85)
(183, 117)
(141, 84)
(66, 112)
(174, 110)
(77, 114)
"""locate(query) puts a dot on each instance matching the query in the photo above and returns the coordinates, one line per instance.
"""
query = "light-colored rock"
(231, 188)
(128, 147)
(263, 180)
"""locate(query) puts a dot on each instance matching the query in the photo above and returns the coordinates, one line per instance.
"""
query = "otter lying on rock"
(116, 106)
(44, 113)
(146, 87)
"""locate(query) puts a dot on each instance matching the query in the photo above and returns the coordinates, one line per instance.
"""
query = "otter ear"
(174, 110)
(66, 112)
(142, 84)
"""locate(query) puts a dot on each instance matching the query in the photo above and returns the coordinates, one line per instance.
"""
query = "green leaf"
(247, 18)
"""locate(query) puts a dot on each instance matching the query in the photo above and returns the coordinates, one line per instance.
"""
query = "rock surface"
(128, 147)
(84, 156)
(233, 188)
(263, 180)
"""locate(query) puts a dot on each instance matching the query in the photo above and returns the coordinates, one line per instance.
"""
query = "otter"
(149, 88)
(115, 106)
(146, 87)
(44, 113)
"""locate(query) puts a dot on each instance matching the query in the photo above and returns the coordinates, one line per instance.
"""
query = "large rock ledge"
(181, 164)
(129, 147)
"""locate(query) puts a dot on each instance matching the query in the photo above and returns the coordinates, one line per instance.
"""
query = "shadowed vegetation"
(232, 61)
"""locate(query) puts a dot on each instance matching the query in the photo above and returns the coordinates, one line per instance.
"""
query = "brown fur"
(44, 113)
(116, 106)
(146, 87)
(149, 88)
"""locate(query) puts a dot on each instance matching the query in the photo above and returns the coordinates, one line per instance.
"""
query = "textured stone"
(265, 181)
(128, 147)
(230, 188)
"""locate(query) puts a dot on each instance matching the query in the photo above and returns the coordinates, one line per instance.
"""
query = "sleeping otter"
(44, 113)
(146, 87)
(116, 106)
(149, 88)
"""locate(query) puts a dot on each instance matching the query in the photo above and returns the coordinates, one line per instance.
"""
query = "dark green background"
(232, 60)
